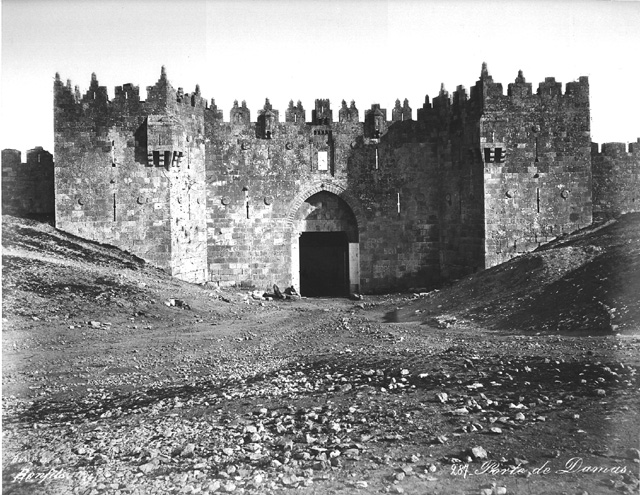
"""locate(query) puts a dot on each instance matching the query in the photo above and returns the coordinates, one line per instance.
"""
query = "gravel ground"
(118, 379)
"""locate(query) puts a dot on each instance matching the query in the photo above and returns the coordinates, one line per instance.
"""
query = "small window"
(167, 158)
(487, 155)
(498, 155)
(156, 158)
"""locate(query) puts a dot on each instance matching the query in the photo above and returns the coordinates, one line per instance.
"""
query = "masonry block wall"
(126, 170)
(460, 189)
(27, 188)
(616, 179)
(536, 149)
(471, 182)
(393, 174)
(265, 183)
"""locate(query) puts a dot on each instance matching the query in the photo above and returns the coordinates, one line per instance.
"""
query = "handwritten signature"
(572, 466)
(27, 475)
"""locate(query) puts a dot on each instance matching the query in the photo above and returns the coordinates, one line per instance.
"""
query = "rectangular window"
(156, 158)
(488, 155)
(167, 158)
(498, 155)
(322, 160)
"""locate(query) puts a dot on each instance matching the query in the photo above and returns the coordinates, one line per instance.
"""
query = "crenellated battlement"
(476, 177)
(484, 91)
(27, 188)
(616, 178)
(127, 96)
(615, 150)
(488, 92)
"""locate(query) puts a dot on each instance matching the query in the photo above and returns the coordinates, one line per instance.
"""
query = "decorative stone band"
(336, 189)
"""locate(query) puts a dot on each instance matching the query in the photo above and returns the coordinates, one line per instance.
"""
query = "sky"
(370, 51)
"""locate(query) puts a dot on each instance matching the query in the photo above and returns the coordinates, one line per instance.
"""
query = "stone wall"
(616, 179)
(460, 189)
(536, 149)
(124, 174)
(395, 180)
(473, 181)
(257, 184)
(27, 188)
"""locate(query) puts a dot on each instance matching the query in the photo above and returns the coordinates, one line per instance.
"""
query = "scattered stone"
(460, 411)
(228, 487)
(633, 454)
(188, 450)
(445, 321)
(148, 467)
(478, 453)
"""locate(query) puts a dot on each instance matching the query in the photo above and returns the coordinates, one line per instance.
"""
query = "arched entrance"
(325, 247)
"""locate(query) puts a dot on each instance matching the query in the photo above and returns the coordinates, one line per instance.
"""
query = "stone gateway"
(328, 206)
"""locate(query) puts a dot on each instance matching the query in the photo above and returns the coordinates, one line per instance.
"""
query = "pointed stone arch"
(298, 233)
(339, 191)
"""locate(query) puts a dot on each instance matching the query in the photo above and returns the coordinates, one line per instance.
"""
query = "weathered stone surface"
(27, 188)
(616, 179)
(473, 181)
(131, 173)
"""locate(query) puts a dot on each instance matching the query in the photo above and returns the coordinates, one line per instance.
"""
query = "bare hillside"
(588, 282)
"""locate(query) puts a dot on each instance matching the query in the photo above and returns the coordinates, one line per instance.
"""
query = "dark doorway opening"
(324, 266)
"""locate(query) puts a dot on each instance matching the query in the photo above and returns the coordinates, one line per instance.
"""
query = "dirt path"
(109, 388)
(339, 402)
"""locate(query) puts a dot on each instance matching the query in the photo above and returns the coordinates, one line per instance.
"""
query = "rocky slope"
(118, 379)
(588, 283)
